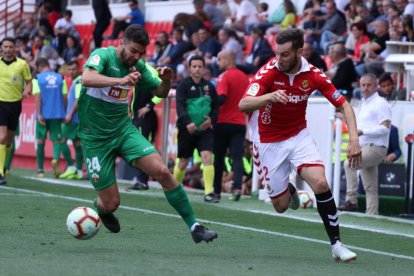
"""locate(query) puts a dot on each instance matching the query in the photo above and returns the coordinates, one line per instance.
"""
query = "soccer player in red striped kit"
(280, 91)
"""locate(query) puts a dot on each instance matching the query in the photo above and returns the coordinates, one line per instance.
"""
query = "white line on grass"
(257, 230)
(86, 185)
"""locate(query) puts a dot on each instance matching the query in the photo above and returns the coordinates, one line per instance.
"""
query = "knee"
(280, 209)
(162, 174)
(320, 186)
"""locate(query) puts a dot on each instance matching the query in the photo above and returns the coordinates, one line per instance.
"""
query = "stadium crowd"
(345, 39)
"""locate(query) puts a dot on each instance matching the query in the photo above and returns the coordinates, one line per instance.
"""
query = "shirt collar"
(8, 62)
(370, 98)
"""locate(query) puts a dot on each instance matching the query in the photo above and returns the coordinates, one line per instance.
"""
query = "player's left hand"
(165, 73)
(142, 111)
(354, 154)
(25, 94)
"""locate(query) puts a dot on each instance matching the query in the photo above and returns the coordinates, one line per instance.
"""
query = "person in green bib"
(107, 132)
(197, 106)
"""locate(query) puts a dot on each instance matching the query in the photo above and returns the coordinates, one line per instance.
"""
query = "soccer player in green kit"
(106, 131)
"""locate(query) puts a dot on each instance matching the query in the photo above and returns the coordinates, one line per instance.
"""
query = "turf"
(155, 241)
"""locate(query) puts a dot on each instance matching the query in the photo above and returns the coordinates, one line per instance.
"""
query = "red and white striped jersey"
(278, 122)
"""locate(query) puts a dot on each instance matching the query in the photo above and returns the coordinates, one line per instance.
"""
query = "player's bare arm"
(165, 74)
(354, 149)
(92, 78)
(27, 89)
(251, 103)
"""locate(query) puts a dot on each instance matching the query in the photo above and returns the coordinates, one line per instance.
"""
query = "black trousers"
(228, 136)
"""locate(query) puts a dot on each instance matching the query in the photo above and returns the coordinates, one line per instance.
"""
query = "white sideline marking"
(257, 230)
(87, 185)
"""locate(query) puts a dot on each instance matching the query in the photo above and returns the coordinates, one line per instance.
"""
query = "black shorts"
(187, 143)
(9, 114)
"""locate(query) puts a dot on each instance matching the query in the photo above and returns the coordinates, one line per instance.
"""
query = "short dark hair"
(385, 77)
(264, 6)
(68, 13)
(137, 34)
(10, 39)
(72, 62)
(291, 35)
(196, 57)
(42, 63)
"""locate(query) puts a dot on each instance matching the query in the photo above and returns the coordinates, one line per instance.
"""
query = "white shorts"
(275, 160)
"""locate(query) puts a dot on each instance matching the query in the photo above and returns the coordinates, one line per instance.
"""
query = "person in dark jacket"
(197, 107)
(103, 19)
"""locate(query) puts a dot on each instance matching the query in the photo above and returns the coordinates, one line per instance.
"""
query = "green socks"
(179, 200)
(66, 153)
(79, 158)
(40, 156)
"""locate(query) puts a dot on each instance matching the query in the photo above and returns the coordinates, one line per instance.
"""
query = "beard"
(289, 67)
(127, 62)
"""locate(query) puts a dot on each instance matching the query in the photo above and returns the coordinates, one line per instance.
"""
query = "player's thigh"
(100, 158)
(69, 131)
(205, 141)
(275, 166)
(133, 145)
(41, 131)
(304, 152)
(55, 129)
(186, 143)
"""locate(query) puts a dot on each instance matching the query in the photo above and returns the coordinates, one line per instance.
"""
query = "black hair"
(196, 57)
(291, 35)
(137, 34)
(264, 6)
(68, 13)
(10, 39)
(72, 62)
(385, 77)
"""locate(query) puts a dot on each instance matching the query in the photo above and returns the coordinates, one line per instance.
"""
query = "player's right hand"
(131, 79)
(278, 96)
(41, 120)
(191, 128)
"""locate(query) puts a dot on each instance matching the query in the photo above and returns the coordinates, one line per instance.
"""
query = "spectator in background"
(63, 28)
(48, 17)
(122, 22)
(72, 50)
(313, 57)
(103, 19)
(289, 20)
(394, 150)
(228, 40)
(388, 90)
(359, 34)
(263, 12)
(373, 121)
(230, 130)
(332, 29)
(45, 52)
(197, 111)
(342, 72)
(176, 54)
(261, 51)
(245, 17)
(224, 8)
(209, 45)
(213, 13)
(27, 29)
(50, 90)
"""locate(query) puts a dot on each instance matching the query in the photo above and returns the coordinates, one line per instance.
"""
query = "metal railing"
(11, 12)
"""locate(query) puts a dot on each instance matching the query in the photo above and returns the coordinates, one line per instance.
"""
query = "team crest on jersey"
(95, 60)
(207, 90)
(305, 85)
(15, 78)
(253, 89)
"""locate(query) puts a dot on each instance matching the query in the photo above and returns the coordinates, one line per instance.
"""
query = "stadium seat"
(248, 44)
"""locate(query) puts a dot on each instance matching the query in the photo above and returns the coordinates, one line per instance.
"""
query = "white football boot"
(342, 254)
